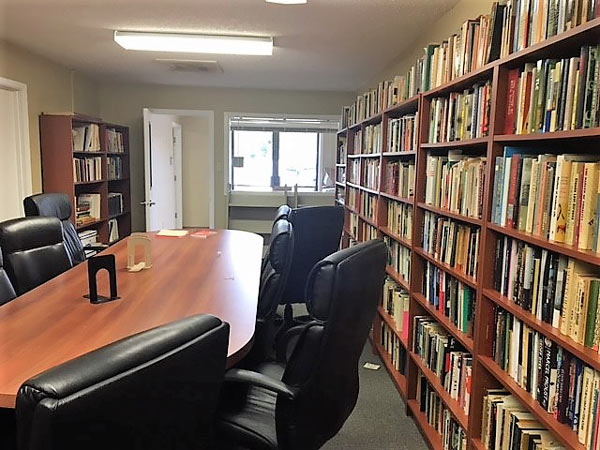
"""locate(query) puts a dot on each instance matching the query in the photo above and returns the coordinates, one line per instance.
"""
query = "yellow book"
(587, 224)
(573, 209)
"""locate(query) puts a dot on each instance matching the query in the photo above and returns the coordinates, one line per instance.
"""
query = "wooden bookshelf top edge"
(340, 165)
(408, 201)
(354, 156)
(457, 144)
(462, 81)
(396, 237)
(587, 355)
(404, 284)
(352, 185)
(471, 282)
(398, 379)
(584, 133)
(90, 224)
(85, 183)
(369, 155)
(399, 154)
(369, 190)
(557, 247)
(342, 131)
(117, 153)
(466, 341)
(339, 183)
(84, 153)
(561, 431)
(451, 215)
(436, 383)
(404, 106)
(389, 320)
(432, 437)
(373, 120)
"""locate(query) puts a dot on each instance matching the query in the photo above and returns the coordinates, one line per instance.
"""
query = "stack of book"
(370, 177)
(87, 209)
(400, 219)
(454, 437)
(554, 95)
(396, 302)
(452, 298)
(400, 178)
(399, 257)
(403, 133)
(115, 167)
(368, 206)
(506, 423)
(447, 360)
(87, 169)
(461, 115)
(561, 383)
(86, 138)
(456, 183)
(114, 140)
(452, 243)
(554, 197)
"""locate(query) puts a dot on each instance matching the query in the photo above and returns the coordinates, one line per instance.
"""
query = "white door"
(160, 172)
(15, 168)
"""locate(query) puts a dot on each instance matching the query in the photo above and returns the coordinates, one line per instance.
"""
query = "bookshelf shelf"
(396, 237)
(342, 132)
(397, 378)
(340, 165)
(585, 133)
(451, 215)
(84, 183)
(408, 201)
(370, 155)
(90, 224)
(351, 184)
(397, 277)
(405, 107)
(389, 320)
(465, 340)
(465, 143)
(436, 384)
(434, 439)
(339, 183)
(465, 81)
(354, 156)
(446, 268)
(369, 190)
(561, 431)
(587, 355)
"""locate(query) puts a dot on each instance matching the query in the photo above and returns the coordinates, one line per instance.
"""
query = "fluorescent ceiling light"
(288, 2)
(194, 43)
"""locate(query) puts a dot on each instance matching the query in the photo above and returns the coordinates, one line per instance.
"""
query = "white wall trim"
(22, 133)
(210, 115)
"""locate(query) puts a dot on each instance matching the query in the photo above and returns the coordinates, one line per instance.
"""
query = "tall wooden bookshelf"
(487, 374)
(57, 150)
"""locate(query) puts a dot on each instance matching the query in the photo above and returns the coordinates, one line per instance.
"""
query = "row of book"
(358, 142)
(87, 209)
(353, 226)
(454, 437)
(86, 138)
(370, 173)
(554, 95)
(353, 198)
(115, 167)
(114, 141)
(340, 174)
(403, 134)
(400, 178)
(353, 170)
(507, 424)
(87, 169)
(367, 232)
(373, 139)
(393, 347)
(453, 299)
(562, 384)
(399, 257)
(461, 115)
(560, 291)
(400, 219)
(554, 197)
(447, 360)
(396, 303)
(452, 243)
(115, 203)
(368, 206)
(455, 183)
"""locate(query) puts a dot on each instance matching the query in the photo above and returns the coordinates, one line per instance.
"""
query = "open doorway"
(179, 169)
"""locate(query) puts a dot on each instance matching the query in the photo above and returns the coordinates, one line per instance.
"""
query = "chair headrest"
(27, 233)
(279, 250)
(323, 214)
(55, 204)
(283, 212)
(321, 285)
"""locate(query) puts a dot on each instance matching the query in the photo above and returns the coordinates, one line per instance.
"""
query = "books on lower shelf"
(115, 167)
(86, 138)
(370, 178)
(393, 347)
(89, 238)
(455, 183)
(403, 133)
(561, 383)
(400, 219)
(443, 355)
(461, 115)
(452, 243)
(396, 303)
(114, 141)
(353, 225)
(506, 423)
(400, 178)
(87, 169)
(368, 232)
(554, 197)
(115, 203)
(554, 94)
(368, 206)
(113, 230)
(87, 209)
(399, 257)
(353, 198)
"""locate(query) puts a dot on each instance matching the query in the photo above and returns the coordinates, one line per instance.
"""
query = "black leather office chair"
(33, 251)
(7, 292)
(59, 205)
(304, 403)
(156, 390)
(273, 278)
(283, 212)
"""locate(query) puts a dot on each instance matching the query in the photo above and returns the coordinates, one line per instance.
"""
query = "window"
(270, 153)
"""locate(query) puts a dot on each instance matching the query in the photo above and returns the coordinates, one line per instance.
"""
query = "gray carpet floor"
(379, 421)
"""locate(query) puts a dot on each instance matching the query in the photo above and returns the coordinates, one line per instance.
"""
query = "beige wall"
(49, 89)
(448, 24)
(123, 103)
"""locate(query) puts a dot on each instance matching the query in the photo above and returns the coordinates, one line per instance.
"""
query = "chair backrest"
(33, 251)
(317, 231)
(7, 292)
(154, 390)
(58, 205)
(283, 212)
(343, 292)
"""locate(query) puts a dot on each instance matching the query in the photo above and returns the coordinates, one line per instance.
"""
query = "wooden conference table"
(190, 275)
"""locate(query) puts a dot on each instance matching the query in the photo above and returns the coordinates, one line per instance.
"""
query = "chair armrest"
(260, 380)
(282, 345)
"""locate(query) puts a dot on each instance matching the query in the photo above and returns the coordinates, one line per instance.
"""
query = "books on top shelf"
(403, 134)
(400, 178)
(506, 423)
(114, 141)
(554, 94)
(561, 383)
(396, 303)
(461, 115)
(455, 183)
(87, 169)
(87, 209)
(399, 257)
(86, 138)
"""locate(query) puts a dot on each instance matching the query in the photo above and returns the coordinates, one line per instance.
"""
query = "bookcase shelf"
(477, 444)
(397, 278)
(433, 438)
(389, 320)
(408, 201)
(472, 282)
(465, 143)
(451, 215)
(405, 107)
(394, 236)
(584, 133)
(398, 379)
(465, 81)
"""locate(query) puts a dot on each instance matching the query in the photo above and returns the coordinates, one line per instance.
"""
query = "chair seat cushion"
(247, 414)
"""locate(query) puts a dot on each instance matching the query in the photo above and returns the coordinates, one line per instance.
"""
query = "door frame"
(207, 114)
(25, 186)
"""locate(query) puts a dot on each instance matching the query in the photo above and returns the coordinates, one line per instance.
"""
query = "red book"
(513, 191)
(511, 103)
(526, 102)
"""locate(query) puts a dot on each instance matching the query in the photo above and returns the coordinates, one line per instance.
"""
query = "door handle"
(148, 203)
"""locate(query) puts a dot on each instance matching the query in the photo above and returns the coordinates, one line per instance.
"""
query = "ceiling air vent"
(191, 65)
